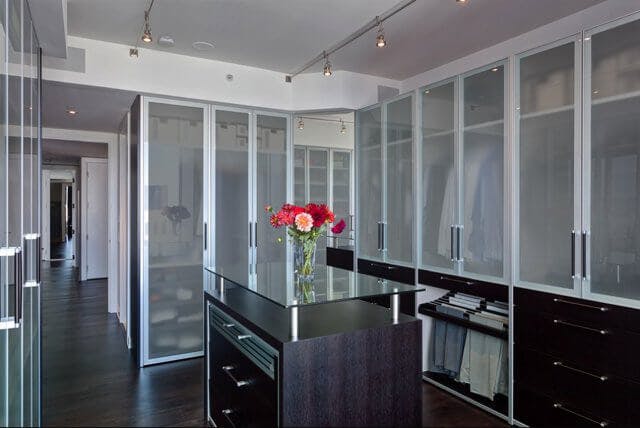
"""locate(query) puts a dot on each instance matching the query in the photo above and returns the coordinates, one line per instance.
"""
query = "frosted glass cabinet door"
(547, 193)
(231, 195)
(271, 189)
(615, 161)
(318, 176)
(369, 177)
(341, 204)
(399, 190)
(175, 230)
(483, 172)
(438, 181)
(300, 175)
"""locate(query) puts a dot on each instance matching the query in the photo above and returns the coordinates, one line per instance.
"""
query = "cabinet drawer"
(538, 410)
(577, 310)
(586, 345)
(601, 393)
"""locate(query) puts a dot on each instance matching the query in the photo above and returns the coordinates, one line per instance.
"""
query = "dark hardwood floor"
(89, 378)
(63, 250)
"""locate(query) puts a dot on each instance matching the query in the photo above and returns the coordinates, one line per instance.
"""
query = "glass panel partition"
(439, 182)
(369, 189)
(398, 233)
(175, 231)
(483, 143)
(547, 196)
(232, 247)
(614, 178)
(300, 176)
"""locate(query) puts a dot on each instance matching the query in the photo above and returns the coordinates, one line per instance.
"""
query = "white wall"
(161, 73)
(562, 28)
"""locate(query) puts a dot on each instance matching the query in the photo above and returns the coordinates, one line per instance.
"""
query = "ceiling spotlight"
(133, 52)
(300, 124)
(72, 111)
(343, 127)
(461, 1)
(427, 91)
(327, 65)
(146, 35)
(380, 41)
(494, 69)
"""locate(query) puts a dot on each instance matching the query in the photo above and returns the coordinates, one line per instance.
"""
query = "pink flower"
(304, 222)
(339, 227)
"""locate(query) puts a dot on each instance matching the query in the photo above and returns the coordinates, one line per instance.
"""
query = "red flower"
(321, 214)
(339, 227)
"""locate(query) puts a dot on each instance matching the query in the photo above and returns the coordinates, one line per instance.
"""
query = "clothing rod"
(353, 36)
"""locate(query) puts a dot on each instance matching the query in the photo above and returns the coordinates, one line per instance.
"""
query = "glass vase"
(304, 259)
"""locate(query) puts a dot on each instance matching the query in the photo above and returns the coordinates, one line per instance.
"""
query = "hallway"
(89, 378)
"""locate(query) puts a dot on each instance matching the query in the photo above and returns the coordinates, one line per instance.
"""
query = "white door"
(94, 218)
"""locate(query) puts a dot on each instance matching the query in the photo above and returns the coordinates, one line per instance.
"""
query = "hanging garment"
(447, 343)
(485, 359)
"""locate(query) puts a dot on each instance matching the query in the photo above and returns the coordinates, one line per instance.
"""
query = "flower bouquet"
(304, 226)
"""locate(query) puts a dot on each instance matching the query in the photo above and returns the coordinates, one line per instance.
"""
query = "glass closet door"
(438, 179)
(299, 176)
(341, 192)
(483, 142)
(548, 193)
(272, 140)
(174, 231)
(319, 194)
(398, 228)
(369, 178)
(612, 159)
(232, 195)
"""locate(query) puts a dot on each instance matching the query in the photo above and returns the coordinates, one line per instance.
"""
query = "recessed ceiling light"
(166, 41)
(494, 69)
(427, 91)
(202, 46)
(72, 111)
(461, 1)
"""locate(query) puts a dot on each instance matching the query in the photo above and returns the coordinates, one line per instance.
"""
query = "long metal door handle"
(19, 284)
(573, 254)
(384, 236)
(584, 255)
(239, 383)
(205, 236)
(596, 308)
(591, 329)
(453, 232)
(379, 236)
(250, 235)
(586, 418)
(255, 234)
(459, 242)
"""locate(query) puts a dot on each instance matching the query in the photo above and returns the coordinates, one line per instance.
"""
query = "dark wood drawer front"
(578, 310)
(587, 345)
(340, 258)
(537, 410)
(599, 393)
(403, 274)
(475, 287)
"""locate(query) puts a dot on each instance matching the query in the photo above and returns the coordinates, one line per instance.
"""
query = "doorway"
(59, 215)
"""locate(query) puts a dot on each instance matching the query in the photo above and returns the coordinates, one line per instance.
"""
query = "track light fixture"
(133, 52)
(300, 124)
(327, 65)
(343, 127)
(146, 35)
(380, 41)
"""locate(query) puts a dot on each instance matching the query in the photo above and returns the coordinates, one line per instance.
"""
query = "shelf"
(483, 125)
(616, 98)
(546, 112)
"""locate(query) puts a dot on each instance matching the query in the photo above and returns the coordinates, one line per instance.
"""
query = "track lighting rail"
(373, 23)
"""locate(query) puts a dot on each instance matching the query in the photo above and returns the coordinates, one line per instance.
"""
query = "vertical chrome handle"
(250, 235)
(573, 254)
(459, 242)
(384, 235)
(584, 254)
(11, 258)
(351, 223)
(453, 232)
(379, 236)
(19, 284)
(205, 236)
(32, 248)
(255, 234)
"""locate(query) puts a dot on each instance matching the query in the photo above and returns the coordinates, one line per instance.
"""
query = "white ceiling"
(282, 35)
(99, 109)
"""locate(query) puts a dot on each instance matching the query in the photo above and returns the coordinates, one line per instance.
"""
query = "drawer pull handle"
(560, 364)
(598, 308)
(595, 330)
(228, 325)
(561, 407)
(227, 415)
(461, 281)
(227, 411)
(239, 383)
(243, 336)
